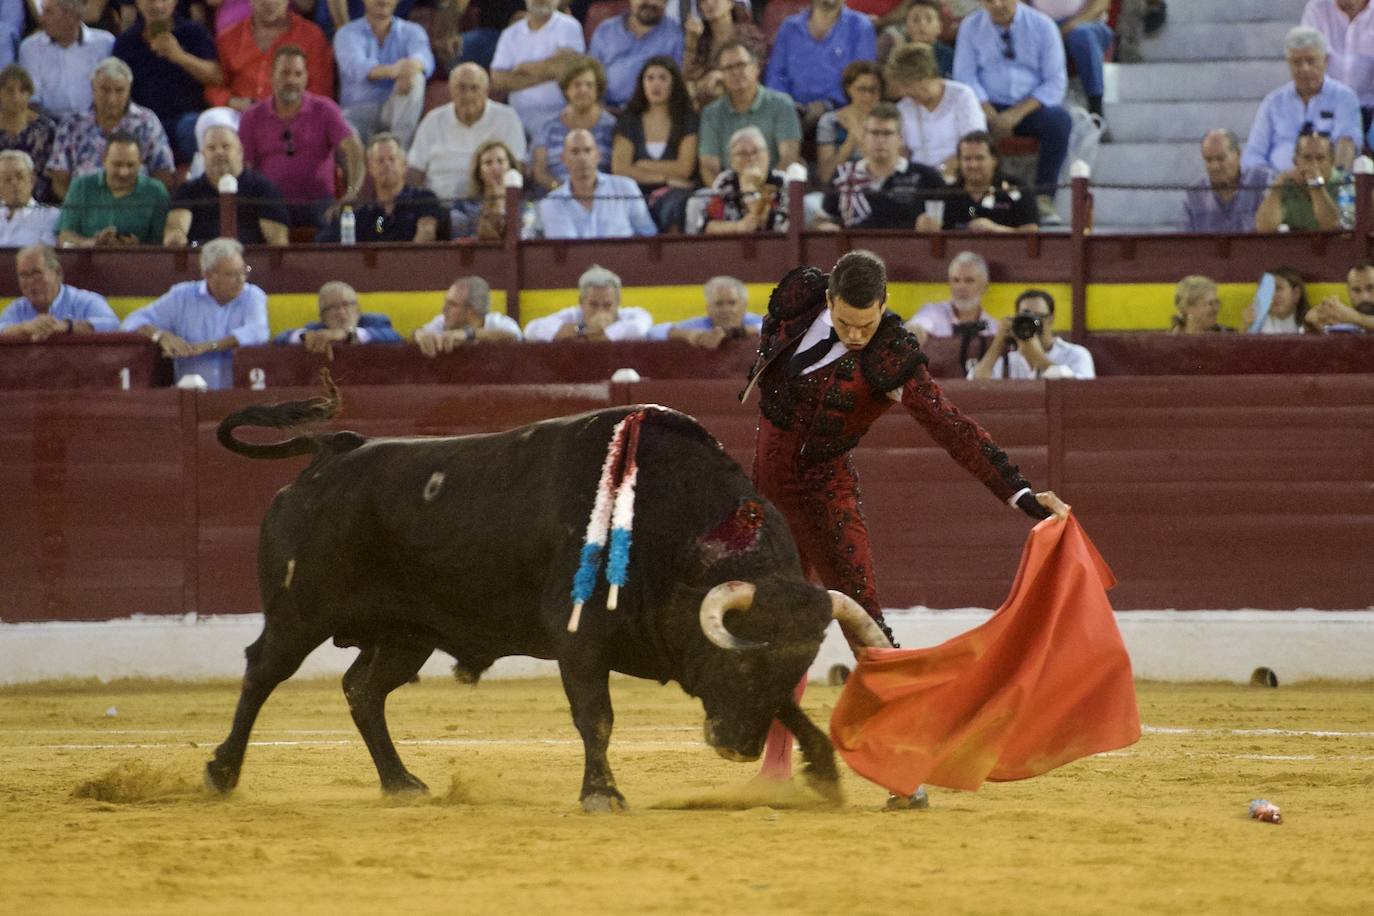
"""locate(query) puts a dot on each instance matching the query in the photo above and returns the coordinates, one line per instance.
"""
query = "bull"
(469, 544)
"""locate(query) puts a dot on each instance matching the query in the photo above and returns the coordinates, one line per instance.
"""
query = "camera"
(1024, 327)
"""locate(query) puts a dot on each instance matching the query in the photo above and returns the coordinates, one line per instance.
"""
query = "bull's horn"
(852, 616)
(728, 596)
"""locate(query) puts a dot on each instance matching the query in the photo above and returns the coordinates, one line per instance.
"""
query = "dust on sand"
(1161, 826)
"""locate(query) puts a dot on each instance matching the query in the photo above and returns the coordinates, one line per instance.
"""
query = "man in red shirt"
(246, 53)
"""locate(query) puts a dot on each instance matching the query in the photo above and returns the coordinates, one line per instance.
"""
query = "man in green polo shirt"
(117, 205)
(746, 104)
(1313, 194)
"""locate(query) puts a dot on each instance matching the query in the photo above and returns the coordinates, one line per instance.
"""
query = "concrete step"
(1176, 122)
(1148, 163)
(1214, 41)
(1188, 12)
(1124, 207)
(1162, 82)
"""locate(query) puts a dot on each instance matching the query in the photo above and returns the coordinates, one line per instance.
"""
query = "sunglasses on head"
(1310, 130)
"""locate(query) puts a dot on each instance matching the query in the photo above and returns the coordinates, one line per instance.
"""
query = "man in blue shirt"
(1013, 59)
(1312, 103)
(383, 64)
(727, 317)
(48, 306)
(809, 68)
(341, 322)
(592, 204)
(199, 323)
(624, 43)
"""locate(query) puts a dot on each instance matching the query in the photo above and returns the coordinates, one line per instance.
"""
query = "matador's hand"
(1056, 506)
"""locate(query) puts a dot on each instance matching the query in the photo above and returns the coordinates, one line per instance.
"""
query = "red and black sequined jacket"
(836, 413)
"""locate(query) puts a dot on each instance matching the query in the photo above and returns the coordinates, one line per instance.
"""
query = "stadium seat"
(775, 12)
(599, 12)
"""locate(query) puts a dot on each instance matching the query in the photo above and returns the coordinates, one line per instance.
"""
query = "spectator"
(483, 215)
(656, 142)
(79, 145)
(475, 46)
(716, 22)
(1333, 315)
(1226, 200)
(983, 199)
(23, 220)
(47, 306)
(116, 205)
(592, 204)
(624, 43)
(968, 282)
(199, 323)
(467, 318)
(441, 156)
(194, 217)
(399, 212)
(1012, 57)
(584, 84)
(530, 57)
(882, 190)
(598, 314)
(62, 56)
(1197, 306)
(839, 133)
(922, 24)
(746, 104)
(294, 138)
(1311, 102)
(1026, 347)
(727, 317)
(936, 112)
(1348, 27)
(25, 129)
(383, 64)
(333, 15)
(341, 322)
(248, 56)
(172, 60)
(747, 197)
(807, 67)
(1287, 308)
(1087, 38)
(1313, 194)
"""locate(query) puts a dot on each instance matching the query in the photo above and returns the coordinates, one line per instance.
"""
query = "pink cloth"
(232, 12)
(297, 155)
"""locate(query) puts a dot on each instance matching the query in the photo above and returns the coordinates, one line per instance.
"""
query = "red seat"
(599, 12)
(436, 94)
(775, 12)
(1018, 146)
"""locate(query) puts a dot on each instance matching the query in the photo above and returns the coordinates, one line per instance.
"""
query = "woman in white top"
(935, 112)
(1288, 308)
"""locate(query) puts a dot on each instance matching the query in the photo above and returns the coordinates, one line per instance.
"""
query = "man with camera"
(1025, 346)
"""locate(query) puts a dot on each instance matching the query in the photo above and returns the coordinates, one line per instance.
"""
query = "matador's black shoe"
(917, 801)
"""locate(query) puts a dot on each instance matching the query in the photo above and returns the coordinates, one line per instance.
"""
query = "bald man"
(441, 156)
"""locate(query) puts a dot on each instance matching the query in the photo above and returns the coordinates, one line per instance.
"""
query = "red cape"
(1045, 681)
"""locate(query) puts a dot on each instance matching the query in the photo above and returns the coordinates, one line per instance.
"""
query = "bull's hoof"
(465, 675)
(917, 801)
(405, 784)
(827, 787)
(605, 804)
(219, 778)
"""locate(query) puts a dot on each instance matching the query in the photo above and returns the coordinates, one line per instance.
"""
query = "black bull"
(469, 545)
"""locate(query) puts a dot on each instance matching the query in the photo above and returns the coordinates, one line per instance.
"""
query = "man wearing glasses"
(882, 190)
(1311, 102)
(199, 323)
(746, 104)
(294, 138)
(1013, 58)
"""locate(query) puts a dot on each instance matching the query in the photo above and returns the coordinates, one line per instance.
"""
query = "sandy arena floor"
(1160, 827)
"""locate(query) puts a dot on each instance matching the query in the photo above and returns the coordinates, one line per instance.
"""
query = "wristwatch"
(1317, 182)
(470, 334)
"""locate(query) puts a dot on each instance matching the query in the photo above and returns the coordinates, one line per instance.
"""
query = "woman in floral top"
(24, 129)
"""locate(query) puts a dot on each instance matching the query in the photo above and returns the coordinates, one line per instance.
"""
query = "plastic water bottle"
(348, 227)
(1263, 810)
(1345, 203)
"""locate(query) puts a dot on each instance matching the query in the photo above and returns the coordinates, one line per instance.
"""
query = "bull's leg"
(586, 682)
(376, 672)
(820, 772)
(272, 658)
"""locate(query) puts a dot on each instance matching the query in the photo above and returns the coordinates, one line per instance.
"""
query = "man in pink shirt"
(1348, 26)
(294, 138)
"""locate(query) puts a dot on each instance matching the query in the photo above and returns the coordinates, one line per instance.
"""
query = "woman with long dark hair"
(1288, 307)
(656, 141)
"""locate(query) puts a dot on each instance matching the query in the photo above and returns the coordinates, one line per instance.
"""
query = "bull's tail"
(287, 415)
